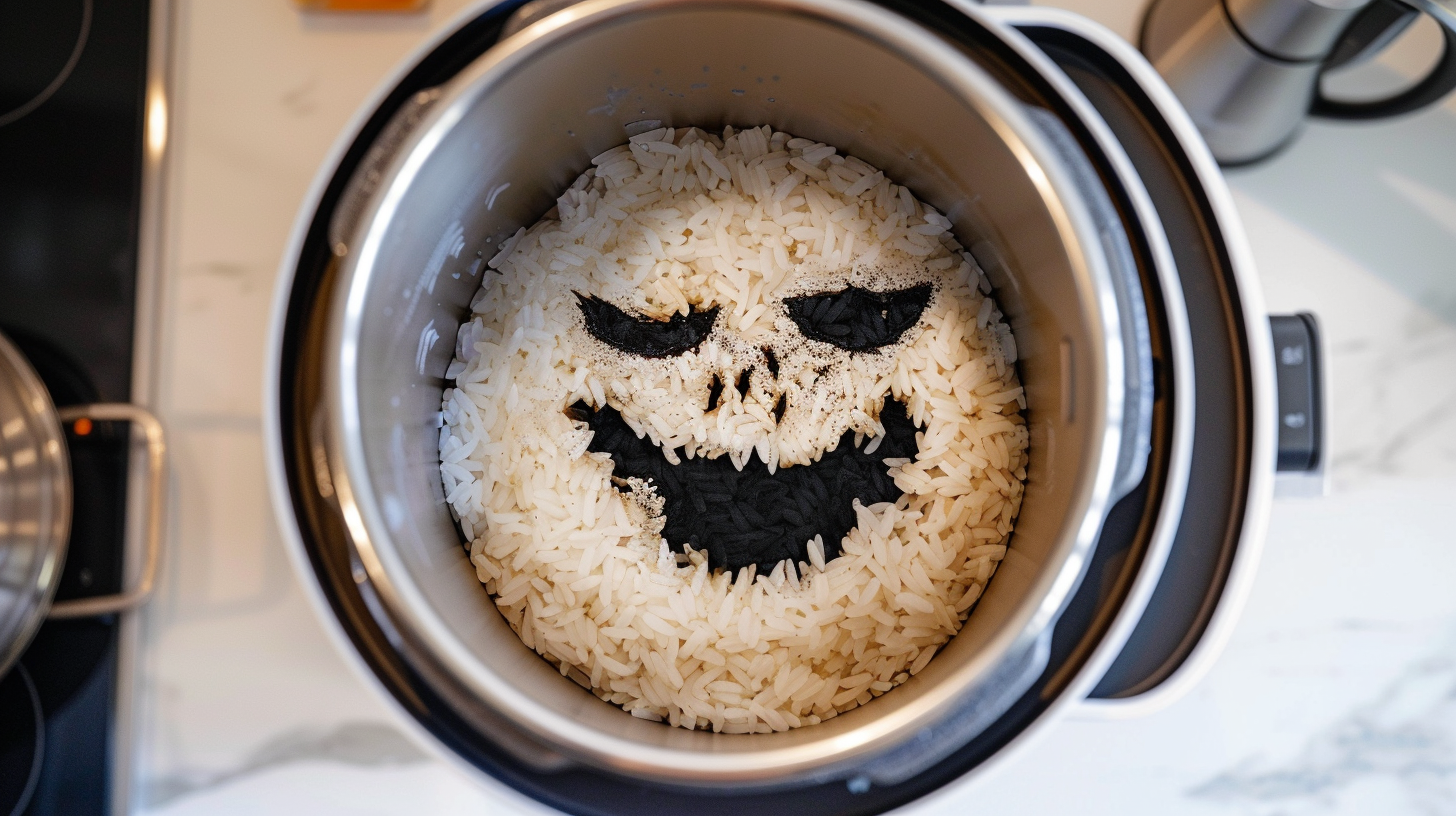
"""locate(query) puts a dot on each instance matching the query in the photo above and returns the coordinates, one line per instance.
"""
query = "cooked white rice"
(676, 219)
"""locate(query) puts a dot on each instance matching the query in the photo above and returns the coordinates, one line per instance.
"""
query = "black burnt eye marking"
(643, 336)
(857, 319)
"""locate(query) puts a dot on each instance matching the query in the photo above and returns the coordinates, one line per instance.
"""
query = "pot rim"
(410, 612)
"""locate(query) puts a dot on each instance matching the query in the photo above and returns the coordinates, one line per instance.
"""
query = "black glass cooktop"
(72, 106)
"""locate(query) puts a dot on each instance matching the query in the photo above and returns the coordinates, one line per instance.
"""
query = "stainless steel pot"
(35, 504)
(466, 163)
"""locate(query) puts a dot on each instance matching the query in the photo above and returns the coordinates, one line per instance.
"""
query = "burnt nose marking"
(741, 386)
(715, 393)
(745, 380)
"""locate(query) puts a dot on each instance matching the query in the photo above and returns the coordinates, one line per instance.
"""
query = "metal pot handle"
(155, 488)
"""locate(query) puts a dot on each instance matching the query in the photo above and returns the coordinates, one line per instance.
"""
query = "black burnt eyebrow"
(858, 319)
(644, 336)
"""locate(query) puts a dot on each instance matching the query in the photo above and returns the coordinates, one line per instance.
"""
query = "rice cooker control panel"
(1301, 401)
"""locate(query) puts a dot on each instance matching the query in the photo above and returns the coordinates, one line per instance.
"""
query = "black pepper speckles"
(751, 516)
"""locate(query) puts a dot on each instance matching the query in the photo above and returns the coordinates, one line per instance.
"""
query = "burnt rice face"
(750, 515)
(733, 434)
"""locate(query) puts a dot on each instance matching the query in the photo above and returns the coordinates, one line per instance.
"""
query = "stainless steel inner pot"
(466, 164)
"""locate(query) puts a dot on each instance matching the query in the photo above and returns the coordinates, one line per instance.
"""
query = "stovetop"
(72, 97)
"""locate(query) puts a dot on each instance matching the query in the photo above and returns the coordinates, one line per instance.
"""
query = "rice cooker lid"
(1119, 554)
(35, 502)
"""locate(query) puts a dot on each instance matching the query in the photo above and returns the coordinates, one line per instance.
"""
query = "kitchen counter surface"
(1335, 695)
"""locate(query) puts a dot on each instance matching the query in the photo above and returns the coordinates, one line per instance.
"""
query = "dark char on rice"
(858, 319)
(751, 516)
(644, 336)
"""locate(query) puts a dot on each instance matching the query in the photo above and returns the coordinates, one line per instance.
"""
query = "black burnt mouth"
(753, 516)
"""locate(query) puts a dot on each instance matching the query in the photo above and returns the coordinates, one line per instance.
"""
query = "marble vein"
(1406, 734)
(360, 744)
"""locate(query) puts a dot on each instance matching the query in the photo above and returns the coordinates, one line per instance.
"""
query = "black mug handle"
(1372, 29)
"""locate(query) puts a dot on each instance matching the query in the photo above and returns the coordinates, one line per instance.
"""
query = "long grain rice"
(680, 219)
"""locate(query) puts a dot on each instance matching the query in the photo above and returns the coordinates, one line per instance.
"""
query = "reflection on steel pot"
(35, 502)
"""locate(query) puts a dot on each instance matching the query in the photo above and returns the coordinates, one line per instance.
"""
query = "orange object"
(82, 426)
(362, 5)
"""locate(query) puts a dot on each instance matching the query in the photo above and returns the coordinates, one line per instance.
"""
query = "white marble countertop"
(1336, 694)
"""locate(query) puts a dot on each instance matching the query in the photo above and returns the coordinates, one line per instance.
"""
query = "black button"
(1301, 432)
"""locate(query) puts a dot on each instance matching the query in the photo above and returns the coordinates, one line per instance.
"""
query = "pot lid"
(35, 502)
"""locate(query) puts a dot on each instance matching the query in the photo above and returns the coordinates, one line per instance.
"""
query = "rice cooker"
(1079, 185)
